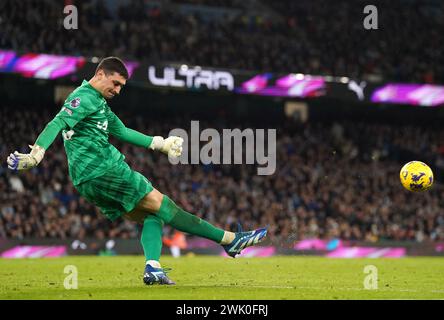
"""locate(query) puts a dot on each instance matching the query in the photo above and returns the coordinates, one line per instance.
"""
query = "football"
(416, 176)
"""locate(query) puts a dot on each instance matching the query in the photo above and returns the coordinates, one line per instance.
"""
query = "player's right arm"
(74, 110)
(24, 161)
(172, 146)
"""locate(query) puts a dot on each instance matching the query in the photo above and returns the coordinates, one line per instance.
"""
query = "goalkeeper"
(100, 174)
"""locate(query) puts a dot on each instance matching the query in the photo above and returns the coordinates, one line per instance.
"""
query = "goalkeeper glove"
(25, 161)
(172, 146)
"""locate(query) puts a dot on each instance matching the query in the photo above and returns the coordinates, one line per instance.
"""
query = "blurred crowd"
(307, 36)
(333, 180)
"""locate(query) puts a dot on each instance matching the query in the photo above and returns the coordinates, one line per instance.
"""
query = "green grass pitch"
(205, 277)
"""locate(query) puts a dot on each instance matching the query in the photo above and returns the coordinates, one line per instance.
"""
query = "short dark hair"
(113, 64)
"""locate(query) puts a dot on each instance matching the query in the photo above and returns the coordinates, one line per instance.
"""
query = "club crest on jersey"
(75, 103)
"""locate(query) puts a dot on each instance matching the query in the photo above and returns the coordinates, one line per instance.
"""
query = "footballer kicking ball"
(416, 176)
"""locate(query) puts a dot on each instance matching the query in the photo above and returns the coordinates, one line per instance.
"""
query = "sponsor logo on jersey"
(67, 111)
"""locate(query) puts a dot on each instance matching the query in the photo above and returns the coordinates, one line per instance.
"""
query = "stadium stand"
(333, 180)
(302, 36)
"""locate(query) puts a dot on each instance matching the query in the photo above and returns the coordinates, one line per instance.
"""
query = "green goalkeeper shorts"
(116, 192)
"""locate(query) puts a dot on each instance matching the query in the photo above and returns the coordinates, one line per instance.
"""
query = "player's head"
(111, 75)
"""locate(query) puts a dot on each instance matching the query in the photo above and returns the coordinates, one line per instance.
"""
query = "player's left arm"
(171, 146)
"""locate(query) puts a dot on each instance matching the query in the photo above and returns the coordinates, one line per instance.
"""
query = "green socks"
(183, 221)
(151, 238)
(179, 219)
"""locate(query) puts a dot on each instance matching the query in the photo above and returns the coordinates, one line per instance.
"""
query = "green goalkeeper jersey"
(86, 121)
(90, 120)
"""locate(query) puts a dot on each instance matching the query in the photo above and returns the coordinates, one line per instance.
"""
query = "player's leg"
(151, 241)
(163, 207)
(151, 238)
(117, 193)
